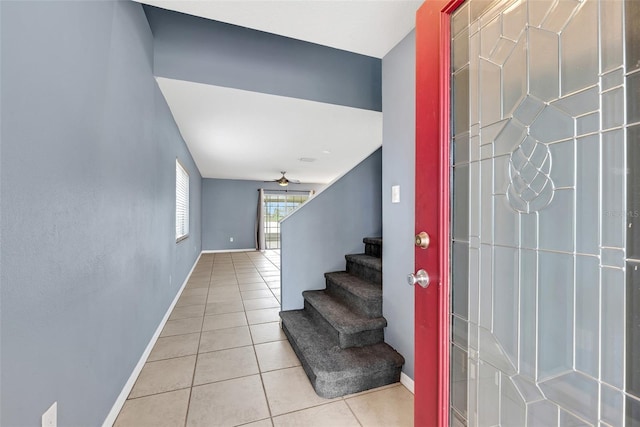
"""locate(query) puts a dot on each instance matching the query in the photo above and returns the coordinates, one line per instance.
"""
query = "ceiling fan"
(284, 181)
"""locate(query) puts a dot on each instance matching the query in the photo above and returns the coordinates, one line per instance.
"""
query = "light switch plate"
(50, 417)
(395, 194)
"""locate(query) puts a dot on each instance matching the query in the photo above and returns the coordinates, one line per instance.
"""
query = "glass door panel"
(544, 296)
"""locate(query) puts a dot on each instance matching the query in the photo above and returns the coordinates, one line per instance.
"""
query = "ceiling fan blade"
(284, 181)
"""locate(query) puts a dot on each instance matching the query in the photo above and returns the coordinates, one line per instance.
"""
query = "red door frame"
(432, 315)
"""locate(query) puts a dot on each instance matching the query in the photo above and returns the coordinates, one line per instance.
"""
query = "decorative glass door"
(545, 287)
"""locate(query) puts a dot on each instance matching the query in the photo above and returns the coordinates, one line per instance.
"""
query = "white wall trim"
(406, 381)
(119, 403)
(218, 251)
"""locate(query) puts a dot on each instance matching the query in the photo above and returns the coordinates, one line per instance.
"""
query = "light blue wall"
(398, 158)
(229, 209)
(204, 51)
(88, 253)
(316, 238)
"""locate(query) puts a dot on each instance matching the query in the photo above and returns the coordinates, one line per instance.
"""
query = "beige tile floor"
(222, 360)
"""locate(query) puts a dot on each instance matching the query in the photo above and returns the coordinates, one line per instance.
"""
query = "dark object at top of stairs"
(339, 335)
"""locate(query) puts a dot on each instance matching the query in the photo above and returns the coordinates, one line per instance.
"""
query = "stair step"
(366, 267)
(372, 241)
(365, 260)
(373, 246)
(333, 371)
(350, 329)
(362, 296)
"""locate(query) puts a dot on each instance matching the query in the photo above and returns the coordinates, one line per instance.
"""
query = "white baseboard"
(119, 403)
(219, 251)
(406, 381)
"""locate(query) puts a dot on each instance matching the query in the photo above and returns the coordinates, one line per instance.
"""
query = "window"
(276, 207)
(182, 202)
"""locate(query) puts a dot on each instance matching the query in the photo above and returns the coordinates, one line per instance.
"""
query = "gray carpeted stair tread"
(367, 291)
(366, 267)
(365, 260)
(339, 316)
(373, 246)
(372, 241)
(339, 335)
(334, 371)
(360, 295)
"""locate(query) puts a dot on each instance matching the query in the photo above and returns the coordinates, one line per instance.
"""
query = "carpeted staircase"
(339, 335)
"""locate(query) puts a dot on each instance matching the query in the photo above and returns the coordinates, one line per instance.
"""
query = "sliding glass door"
(276, 207)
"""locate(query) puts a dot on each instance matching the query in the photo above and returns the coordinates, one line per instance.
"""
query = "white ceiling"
(235, 134)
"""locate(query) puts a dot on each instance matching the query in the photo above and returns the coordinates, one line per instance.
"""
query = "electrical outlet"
(50, 417)
(231, 239)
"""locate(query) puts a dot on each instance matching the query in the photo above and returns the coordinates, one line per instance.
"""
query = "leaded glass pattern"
(545, 189)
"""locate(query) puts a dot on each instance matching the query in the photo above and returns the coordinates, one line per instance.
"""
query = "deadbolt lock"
(422, 240)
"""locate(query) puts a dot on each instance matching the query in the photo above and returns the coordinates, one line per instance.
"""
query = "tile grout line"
(255, 353)
(351, 410)
(253, 344)
(157, 393)
(264, 389)
(193, 376)
(271, 416)
(334, 400)
(281, 369)
(267, 283)
(244, 311)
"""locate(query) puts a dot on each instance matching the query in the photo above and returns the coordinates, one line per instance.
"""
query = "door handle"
(422, 240)
(421, 278)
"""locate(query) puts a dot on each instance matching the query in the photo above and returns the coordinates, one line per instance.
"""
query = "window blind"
(182, 202)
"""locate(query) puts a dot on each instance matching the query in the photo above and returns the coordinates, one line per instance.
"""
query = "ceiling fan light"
(283, 182)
